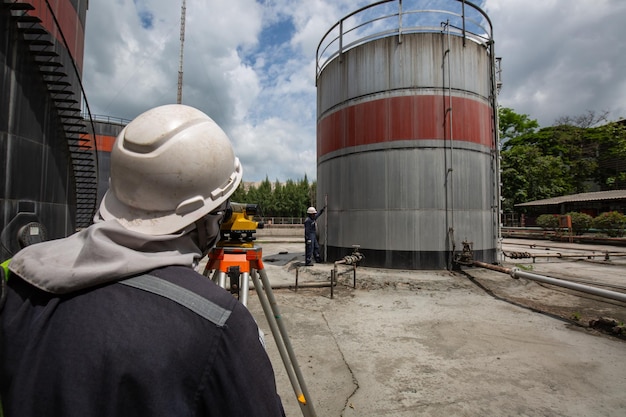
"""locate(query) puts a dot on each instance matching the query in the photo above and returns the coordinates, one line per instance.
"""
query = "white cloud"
(561, 57)
(258, 81)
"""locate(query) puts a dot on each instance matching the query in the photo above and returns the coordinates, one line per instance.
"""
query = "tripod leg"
(244, 288)
(273, 316)
(219, 278)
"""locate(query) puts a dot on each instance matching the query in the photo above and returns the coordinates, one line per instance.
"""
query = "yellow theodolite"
(239, 226)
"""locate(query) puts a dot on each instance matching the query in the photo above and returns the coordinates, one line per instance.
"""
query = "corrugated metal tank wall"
(40, 64)
(407, 154)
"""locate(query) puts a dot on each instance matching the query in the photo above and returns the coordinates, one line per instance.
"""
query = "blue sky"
(250, 65)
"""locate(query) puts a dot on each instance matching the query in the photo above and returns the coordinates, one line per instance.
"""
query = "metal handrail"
(333, 43)
(107, 119)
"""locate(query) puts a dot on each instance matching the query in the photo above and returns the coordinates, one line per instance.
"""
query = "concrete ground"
(436, 343)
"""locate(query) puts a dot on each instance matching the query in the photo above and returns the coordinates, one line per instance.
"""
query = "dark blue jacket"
(310, 224)
(116, 350)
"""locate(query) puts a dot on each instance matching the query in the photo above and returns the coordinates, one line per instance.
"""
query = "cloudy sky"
(250, 65)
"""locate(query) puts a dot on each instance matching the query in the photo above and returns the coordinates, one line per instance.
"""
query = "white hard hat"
(311, 210)
(169, 167)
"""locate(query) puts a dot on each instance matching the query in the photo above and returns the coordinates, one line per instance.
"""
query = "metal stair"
(66, 97)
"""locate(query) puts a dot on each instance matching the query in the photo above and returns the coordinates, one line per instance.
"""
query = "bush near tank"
(610, 223)
(581, 222)
(548, 221)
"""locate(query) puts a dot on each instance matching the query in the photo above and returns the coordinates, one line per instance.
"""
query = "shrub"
(548, 222)
(581, 222)
(612, 223)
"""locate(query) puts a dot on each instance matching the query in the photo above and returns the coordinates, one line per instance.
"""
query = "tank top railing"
(388, 18)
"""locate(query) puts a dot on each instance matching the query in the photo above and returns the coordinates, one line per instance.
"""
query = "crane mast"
(179, 95)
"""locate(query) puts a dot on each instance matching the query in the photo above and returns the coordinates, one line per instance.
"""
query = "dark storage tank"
(48, 161)
(106, 129)
(407, 135)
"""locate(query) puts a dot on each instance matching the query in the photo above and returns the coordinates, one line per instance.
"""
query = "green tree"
(293, 201)
(264, 196)
(252, 196)
(611, 173)
(289, 199)
(586, 120)
(575, 155)
(578, 147)
(240, 194)
(304, 196)
(529, 175)
(512, 125)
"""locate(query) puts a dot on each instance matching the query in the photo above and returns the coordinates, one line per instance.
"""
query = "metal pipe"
(463, 14)
(352, 259)
(490, 266)
(295, 287)
(592, 255)
(326, 227)
(517, 273)
(302, 285)
(399, 21)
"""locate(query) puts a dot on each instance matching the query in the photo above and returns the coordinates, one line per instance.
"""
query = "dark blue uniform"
(117, 350)
(312, 247)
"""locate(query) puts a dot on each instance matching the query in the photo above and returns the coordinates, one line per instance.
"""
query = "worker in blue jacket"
(312, 247)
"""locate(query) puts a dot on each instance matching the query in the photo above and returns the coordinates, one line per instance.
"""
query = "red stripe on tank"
(390, 119)
(104, 143)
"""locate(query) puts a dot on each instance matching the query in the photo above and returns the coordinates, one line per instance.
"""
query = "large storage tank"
(407, 135)
(105, 129)
(48, 161)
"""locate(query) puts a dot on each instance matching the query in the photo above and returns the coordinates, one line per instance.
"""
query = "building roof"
(574, 198)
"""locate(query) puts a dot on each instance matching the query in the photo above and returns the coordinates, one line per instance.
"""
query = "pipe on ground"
(517, 273)
(300, 285)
